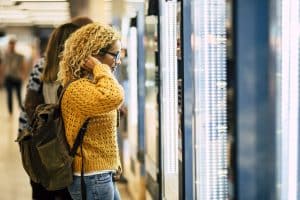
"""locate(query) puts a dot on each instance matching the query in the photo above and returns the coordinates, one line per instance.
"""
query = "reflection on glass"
(132, 94)
(288, 101)
(210, 133)
(151, 104)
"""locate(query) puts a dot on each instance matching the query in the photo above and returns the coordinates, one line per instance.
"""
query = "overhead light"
(44, 6)
(6, 3)
(135, 1)
(61, 18)
(39, 1)
(48, 13)
(49, 21)
(34, 12)
(12, 14)
(18, 21)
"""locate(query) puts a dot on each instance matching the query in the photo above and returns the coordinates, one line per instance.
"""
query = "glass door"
(210, 55)
(152, 158)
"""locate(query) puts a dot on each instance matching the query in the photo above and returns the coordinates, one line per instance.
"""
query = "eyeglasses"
(116, 56)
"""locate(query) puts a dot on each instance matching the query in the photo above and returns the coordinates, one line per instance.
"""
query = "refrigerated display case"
(210, 134)
(161, 102)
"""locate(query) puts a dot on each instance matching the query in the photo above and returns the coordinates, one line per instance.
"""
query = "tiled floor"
(14, 183)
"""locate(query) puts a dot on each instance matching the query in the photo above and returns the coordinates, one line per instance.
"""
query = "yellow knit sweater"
(99, 100)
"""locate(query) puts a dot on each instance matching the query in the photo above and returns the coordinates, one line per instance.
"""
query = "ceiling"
(54, 12)
(33, 12)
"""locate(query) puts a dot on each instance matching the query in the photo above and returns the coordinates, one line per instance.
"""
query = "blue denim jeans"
(99, 186)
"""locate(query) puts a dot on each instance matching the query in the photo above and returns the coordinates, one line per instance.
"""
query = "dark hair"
(81, 20)
(56, 44)
(54, 48)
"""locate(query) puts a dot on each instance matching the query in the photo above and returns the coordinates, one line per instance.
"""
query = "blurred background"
(212, 94)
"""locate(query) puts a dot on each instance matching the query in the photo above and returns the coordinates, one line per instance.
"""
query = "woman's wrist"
(101, 69)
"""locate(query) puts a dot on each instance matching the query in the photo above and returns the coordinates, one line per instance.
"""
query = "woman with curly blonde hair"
(90, 56)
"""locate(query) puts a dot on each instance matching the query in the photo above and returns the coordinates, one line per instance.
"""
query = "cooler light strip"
(132, 77)
(210, 131)
(289, 98)
(169, 108)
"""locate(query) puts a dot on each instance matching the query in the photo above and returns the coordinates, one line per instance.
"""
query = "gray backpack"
(46, 155)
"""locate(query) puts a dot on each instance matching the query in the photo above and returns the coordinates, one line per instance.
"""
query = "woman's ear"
(101, 54)
(99, 57)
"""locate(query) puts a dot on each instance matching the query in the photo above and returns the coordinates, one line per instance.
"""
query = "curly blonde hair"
(88, 40)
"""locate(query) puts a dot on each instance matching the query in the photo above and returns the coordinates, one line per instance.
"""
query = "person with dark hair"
(43, 88)
(14, 65)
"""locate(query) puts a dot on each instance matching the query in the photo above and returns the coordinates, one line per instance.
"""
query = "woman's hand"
(90, 63)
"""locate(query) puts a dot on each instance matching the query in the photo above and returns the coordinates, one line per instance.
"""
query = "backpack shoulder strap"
(79, 137)
(61, 92)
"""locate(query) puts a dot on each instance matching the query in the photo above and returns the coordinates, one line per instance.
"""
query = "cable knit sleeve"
(94, 98)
